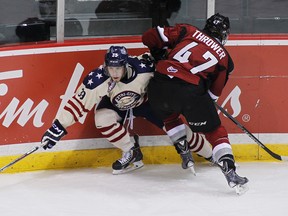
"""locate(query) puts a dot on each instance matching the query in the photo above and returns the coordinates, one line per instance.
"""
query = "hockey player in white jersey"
(118, 88)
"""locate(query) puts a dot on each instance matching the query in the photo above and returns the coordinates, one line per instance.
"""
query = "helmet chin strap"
(218, 40)
(128, 71)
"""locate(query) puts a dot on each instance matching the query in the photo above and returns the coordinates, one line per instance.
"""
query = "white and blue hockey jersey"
(130, 92)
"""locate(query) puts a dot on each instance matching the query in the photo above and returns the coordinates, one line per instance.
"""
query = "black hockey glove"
(159, 54)
(147, 57)
(53, 135)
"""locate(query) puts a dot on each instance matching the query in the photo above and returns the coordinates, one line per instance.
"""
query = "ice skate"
(186, 155)
(233, 179)
(130, 160)
(236, 181)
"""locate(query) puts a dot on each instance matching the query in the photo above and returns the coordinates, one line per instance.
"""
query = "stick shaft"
(273, 154)
(20, 158)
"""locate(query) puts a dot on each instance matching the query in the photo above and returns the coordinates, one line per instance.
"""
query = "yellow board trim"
(105, 157)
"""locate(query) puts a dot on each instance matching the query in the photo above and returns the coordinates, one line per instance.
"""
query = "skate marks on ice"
(152, 190)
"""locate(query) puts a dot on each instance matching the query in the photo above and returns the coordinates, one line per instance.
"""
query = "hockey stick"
(273, 154)
(22, 157)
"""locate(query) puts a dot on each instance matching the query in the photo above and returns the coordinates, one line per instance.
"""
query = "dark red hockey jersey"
(193, 54)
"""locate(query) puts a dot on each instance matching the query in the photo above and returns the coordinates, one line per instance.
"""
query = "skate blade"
(191, 166)
(241, 189)
(130, 168)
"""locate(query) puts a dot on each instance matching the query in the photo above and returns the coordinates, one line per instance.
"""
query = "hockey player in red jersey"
(189, 78)
(119, 90)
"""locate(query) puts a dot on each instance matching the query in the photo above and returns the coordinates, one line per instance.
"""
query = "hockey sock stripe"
(194, 140)
(75, 107)
(104, 129)
(198, 143)
(113, 132)
(110, 131)
(80, 104)
(118, 137)
(72, 113)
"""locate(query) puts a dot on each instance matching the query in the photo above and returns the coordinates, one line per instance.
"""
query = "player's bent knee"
(105, 117)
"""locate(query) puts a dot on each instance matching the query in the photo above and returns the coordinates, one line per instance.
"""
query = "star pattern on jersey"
(142, 65)
(99, 76)
(90, 81)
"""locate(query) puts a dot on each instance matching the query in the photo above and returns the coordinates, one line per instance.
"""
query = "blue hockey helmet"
(116, 56)
(218, 26)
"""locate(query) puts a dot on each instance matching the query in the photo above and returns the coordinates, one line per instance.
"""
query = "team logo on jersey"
(171, 69)
(126, 100)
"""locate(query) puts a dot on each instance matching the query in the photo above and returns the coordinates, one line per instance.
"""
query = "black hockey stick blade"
(273, 154)
(21, 157)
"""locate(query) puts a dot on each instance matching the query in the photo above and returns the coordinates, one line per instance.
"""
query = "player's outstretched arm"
(53, 135)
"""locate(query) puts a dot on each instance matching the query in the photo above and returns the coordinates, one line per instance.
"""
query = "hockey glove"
(159, 54)
(53, 135)
(147, 57)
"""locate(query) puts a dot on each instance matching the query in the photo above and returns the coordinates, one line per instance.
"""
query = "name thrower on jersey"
(192, 70)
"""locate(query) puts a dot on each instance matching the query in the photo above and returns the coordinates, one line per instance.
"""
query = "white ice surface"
(153, 190)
